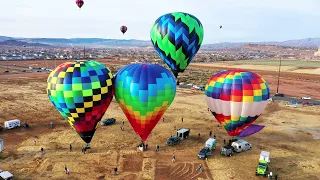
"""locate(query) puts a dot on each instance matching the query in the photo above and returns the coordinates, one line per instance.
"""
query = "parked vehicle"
(262, 168)
(183, 133)
(306, 98)
(204, 153)
(12, 124)
(264, 159)
(279, 95)
(226, 151)
(108, 121)
(241, 145)
(1, 145)
(6, 175)
(173, 140)
(211, 144)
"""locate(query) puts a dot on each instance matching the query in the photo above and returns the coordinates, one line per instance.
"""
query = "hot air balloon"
(81, 91)
(144, 92)
(177, 37)
(220, 27)
(79, 3)
(237, 98)
(123, 29)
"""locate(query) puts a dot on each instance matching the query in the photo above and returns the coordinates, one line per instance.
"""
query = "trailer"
(241, 145)
(12, 124)
(264, 155)
(1, 145)
(183, 133)
(211, 144)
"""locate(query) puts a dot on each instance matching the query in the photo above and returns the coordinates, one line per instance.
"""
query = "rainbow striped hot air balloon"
(144, 92)
(237, 98)
(81, 91)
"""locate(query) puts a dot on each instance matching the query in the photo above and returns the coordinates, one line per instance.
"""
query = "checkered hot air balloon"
(144, 92)
(237, 98)
(82, 92)
(177, 37)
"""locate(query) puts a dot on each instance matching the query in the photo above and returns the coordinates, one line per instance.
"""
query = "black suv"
(108, 121)
(173, 140)
(204, 153)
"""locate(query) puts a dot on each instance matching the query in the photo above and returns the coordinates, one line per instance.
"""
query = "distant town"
(249, 51)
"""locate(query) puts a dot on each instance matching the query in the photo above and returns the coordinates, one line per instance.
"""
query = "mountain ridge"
(101, 42)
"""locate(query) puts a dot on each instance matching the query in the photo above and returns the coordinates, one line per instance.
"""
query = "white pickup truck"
(5, 175)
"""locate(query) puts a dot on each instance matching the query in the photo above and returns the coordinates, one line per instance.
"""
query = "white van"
(1, 145)
(6, 175)
(12, 124)
(211, 144)
(241, 145)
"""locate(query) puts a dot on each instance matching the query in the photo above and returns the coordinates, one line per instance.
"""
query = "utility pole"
(279, 77)
(84, 52)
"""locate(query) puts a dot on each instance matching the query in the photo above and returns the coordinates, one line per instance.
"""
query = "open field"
(291, 136)
(294, 66)
(303, 81)
(284, 62)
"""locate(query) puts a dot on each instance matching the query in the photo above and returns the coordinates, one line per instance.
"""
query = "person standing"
(173, 158)
(68, 170)
(182, 119)
(70, 147)
(115, 171)
(65, 168)
(224, 141)
(35, 142)
(210, 134)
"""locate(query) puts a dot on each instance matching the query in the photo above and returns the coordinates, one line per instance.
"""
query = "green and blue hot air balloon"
(177, 37)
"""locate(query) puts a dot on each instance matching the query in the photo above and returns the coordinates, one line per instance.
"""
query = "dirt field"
(291, 136)
(296, 83)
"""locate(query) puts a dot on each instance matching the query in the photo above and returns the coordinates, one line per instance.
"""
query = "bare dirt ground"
(291, 83)
(290, 136)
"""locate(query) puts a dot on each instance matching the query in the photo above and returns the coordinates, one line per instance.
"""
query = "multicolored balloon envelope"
(177, 37)
(237, 98)
(123, 29)
(144, 92)
(79, 3)
(82, 92)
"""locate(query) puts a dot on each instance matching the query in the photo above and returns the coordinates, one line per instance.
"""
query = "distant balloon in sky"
(220, 26)
(177, 37)
(79, 3)
(237, 98)
(144, 92)
(82, 92)
(123, 29)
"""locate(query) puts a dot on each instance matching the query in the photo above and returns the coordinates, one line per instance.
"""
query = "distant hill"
(94, 42)
(15, 43)
(100, 42)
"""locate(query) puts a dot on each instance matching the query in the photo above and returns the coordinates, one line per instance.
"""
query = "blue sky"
(242, 20)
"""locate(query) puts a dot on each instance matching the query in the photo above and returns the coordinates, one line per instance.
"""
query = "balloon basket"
(88, 146)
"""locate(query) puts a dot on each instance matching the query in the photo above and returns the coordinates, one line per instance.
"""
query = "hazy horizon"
(245, 21)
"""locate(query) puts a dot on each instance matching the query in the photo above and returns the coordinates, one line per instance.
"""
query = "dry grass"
(288, 135)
